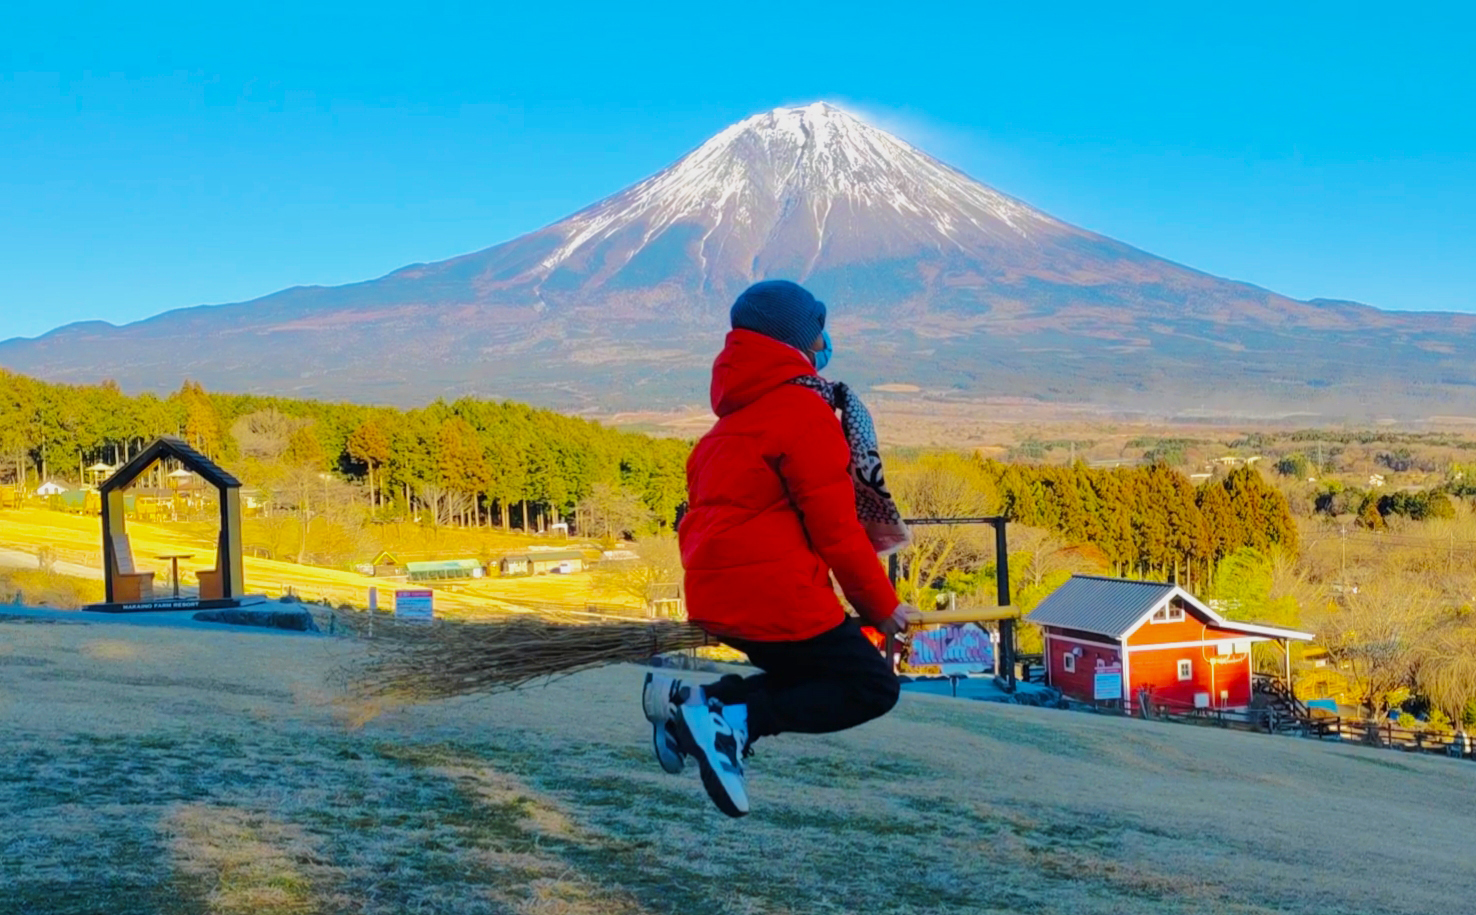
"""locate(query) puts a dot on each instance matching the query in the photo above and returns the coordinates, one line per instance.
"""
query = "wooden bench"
(128, 585)
(212, 585)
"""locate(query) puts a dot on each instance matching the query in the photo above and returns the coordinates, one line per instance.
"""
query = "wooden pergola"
(128, 589)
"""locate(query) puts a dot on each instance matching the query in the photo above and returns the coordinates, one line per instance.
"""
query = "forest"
(470, 462)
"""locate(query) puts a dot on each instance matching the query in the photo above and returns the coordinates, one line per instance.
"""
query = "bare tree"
(943, 486)
(1379, 633)
(1295, 584)
(314, 496)
(1037, 555)
(263, 435)
(443, 505)
(654, 574)
(1446, 667)
(612, 511)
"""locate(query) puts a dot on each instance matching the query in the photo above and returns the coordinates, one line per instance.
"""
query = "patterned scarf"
(874, 506)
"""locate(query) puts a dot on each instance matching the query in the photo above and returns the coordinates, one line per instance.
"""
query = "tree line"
(466, 462)
(1149, 521)
(1145, 522)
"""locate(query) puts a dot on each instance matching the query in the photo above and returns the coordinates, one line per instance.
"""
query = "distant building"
(385, 565)
(443, 570)
(52, 488)
(1107, 639)
(543, 562)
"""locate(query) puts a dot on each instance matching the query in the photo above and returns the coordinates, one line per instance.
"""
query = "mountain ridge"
(933, 278)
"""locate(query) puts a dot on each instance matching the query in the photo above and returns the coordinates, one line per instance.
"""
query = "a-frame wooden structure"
(128, 589)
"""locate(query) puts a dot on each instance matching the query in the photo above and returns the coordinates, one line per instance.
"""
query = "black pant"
(832, 682)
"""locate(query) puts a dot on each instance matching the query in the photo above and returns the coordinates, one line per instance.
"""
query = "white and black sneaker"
(660, 698)
(707, 735)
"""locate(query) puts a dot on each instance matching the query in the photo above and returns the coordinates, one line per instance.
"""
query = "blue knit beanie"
(780, 309)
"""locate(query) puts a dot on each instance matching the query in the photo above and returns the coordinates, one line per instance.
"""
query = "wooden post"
(228, 557)
(891, 649)
(111, 515)
(1006, 624)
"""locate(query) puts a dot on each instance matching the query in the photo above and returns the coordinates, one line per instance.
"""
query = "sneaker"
(707, 735)
(660, 698)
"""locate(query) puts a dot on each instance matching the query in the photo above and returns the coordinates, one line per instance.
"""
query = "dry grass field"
(76, 540)
(171, 771)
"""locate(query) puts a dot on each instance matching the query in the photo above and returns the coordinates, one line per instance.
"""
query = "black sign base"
(176, 603)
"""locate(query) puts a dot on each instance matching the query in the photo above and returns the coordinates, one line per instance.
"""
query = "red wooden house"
(1109, 638)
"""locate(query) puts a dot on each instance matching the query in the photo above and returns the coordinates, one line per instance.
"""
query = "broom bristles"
(415, 662)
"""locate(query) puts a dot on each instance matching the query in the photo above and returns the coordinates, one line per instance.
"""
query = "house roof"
(180, 451)
(1107, 606)
(443, 565)
(545, 556)
(1114, 607)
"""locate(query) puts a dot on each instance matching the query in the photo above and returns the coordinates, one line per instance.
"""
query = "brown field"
(172, 771)
(947, 420)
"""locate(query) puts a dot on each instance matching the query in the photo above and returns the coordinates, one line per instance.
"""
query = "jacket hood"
(750, 366)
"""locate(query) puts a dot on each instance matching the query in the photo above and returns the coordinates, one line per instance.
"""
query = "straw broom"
(417, 662)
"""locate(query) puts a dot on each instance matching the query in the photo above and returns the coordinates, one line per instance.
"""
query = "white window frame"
(1169, 614)
(1068, 662)
(1186, 670)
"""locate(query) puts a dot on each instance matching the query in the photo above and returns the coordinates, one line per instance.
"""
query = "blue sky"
(207, 153)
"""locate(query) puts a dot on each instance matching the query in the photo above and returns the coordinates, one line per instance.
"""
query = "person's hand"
(900, 619)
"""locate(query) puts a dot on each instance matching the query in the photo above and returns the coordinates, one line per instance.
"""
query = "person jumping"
(780, 494)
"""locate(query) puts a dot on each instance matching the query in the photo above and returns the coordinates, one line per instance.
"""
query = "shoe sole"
(658, 716)
(658, 744)
(711, 781)
(657, 709)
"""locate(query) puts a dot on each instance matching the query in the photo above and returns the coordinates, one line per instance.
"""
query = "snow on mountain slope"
(773, 183)
(793, 192)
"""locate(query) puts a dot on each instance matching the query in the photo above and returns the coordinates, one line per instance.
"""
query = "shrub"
(39, 588)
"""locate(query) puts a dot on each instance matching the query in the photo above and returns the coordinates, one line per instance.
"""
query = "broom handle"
(979, 615)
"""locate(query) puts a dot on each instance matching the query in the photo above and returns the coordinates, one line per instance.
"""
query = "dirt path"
(19, 559)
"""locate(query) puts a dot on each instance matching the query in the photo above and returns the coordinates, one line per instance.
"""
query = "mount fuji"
(937, 284)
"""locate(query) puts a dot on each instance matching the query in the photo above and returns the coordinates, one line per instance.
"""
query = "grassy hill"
(160, 770)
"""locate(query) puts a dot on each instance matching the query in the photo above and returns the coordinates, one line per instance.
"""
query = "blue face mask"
(822, 357)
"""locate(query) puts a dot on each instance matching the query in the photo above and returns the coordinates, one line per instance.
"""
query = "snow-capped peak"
(799, 188)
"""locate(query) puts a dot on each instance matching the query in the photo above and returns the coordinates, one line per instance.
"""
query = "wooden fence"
(1384, 734)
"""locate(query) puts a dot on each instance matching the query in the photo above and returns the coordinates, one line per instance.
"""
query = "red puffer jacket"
(771, 506)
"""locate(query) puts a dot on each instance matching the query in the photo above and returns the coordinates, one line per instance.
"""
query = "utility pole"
(1343, 573)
